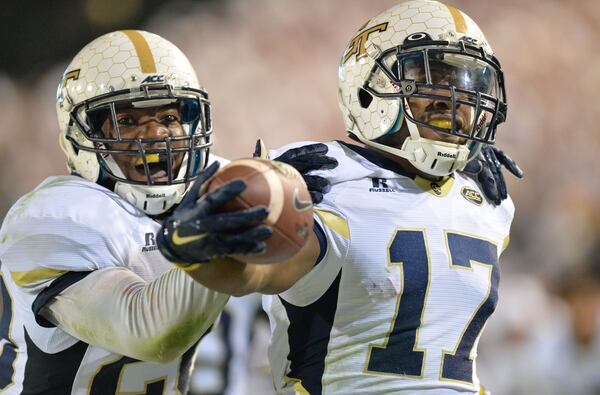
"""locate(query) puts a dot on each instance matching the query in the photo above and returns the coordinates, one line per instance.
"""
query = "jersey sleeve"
(56, 245)
(508, 209)
(49, 242)
(333, 232)
(331, 224)
(40, 248)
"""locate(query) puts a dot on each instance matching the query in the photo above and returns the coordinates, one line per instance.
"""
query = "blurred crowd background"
(270, 67)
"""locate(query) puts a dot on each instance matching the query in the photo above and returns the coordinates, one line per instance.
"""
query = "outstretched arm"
(211, 238)
(117, 310)
(237, 278)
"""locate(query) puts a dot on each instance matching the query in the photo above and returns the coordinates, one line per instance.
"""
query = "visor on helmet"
(461, 71)
(464, 85)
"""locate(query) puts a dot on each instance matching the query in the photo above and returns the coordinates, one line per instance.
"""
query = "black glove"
(196, 232)
(305, 159)
(487, 169)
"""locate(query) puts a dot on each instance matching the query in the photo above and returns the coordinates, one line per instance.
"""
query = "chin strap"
(436, 158)
(433, 157)
(153, 200)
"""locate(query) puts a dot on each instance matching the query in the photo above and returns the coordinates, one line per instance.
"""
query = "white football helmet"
(133, 69)
(422, 52)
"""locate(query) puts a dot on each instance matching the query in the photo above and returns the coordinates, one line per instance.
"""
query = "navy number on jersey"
(465, 251)
(400, 353)
(9, 352)
(128, 375)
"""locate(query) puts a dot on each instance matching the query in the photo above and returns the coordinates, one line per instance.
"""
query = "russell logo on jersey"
(435, 188)
(150, 243)
(380, 185)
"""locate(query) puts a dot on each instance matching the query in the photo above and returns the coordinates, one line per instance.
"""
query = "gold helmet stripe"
(143, 51)
(459, 19)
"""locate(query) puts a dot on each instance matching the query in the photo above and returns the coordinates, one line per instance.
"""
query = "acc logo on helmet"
(153, 79)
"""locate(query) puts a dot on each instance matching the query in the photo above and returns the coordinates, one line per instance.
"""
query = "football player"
(400, 275)
(88, 303)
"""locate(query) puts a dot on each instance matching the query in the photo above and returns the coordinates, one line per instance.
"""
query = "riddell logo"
(481, 122)
(155, 195)
(446, 155)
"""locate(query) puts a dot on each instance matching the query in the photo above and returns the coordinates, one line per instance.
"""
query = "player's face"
(437, 112)
(448, 70)
(146, 123)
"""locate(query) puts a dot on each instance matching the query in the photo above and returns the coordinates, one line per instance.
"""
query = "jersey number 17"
(400, 354)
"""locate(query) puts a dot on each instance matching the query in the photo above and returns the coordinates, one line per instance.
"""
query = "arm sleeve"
(115, 309)
(333, 232)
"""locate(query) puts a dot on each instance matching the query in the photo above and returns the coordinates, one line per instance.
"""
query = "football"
(281, 189)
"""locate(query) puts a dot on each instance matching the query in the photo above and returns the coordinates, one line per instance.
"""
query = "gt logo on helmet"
(71, 75)
(357, 45)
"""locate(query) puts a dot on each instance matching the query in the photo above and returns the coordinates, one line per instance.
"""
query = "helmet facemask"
(452, 89)
(143, 167)
(147, 160)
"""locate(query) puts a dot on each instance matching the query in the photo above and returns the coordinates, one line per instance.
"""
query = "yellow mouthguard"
(150, 158)
(441, 123)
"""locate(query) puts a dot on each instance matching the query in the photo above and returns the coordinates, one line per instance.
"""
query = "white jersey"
(408, 279)
(50, 239)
